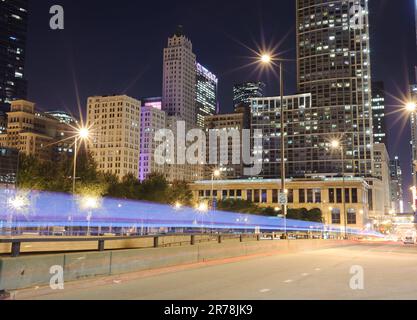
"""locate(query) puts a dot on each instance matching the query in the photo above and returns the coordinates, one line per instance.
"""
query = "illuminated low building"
(323, 194)
(8, 166)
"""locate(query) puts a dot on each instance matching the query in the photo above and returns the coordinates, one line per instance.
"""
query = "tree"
(179, 191)
(154, 189)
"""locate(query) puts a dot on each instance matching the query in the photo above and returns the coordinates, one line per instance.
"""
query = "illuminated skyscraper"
(243, 92)
(179, 79)
(206, 90)
(378, 110)
(333, 64)
(13, 29)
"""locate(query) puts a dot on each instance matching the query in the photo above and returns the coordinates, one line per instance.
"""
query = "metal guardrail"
(17, 242)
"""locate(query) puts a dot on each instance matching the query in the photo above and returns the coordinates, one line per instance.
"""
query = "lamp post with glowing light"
(267, 59)
(336, 144)
(82, 134)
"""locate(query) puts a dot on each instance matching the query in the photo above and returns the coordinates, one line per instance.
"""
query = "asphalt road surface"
(389, 272)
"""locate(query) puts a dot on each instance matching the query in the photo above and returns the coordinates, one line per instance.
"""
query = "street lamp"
(215, 174)
(202, 208)
(336, 144)
(82, 134)
(267, 59)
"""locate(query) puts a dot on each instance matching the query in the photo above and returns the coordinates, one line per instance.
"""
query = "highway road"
(389, 272)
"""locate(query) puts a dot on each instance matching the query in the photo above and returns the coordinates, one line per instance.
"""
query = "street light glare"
(411, 106)
(84, 133)
(335, 144)
(266, 58)
(217, 173)
(18, 203)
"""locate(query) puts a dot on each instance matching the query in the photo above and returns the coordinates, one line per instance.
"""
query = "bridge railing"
(193, 239)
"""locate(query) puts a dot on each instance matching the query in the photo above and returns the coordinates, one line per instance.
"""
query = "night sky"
(112, 47)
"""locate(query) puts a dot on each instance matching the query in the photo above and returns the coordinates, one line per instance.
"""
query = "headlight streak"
(55, 209)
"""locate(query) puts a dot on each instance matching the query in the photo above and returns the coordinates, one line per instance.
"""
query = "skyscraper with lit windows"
(333, 64)
(13, 29)
(206, 90)
(378, 112)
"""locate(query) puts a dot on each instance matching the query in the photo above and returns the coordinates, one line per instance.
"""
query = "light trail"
(46, 209)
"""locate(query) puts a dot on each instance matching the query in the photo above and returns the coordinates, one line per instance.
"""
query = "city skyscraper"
(397, 185)
(243, 92)
(13, 30)
(115, 133)
(206, 91)
(378, 111)
(179, 79)
(152, 120)
(333, 64)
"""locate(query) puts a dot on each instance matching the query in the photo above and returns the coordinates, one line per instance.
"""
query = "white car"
(409, 240)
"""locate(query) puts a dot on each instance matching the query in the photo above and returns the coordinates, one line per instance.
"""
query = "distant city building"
(304, 152)
(154, 102)
(152, 120)
(413, 142)
(3, 122)
(378, 111)
(8, 165)
(224, 123)
(206, 90)
(13, 26)
(33, 133)
(334, 65)
(243, 92)
(383, 173)
(115, 129)
(63, 117)
(179, 97)
(179, 79)
(397, 185)
(302, 194)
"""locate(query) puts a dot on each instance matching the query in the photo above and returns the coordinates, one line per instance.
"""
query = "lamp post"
(411, 108)
(267, 59)
(82, 134)
(336, 144)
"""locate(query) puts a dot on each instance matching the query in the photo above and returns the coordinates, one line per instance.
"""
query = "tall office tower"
(31, 132)
(13, 29)
(179, 98)
(397, 186)
(243, 92)
(179, 79)
(238, 120)
(333, 64)
(413, 142)
(206, 90)
(382, 172)
(152, 120)
(115, 133)
(378, 111)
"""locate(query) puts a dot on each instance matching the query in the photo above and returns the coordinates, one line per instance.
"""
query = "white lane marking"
(265, 290)
(117, 281)
(288, 281)
(318, 269)
(305, 274)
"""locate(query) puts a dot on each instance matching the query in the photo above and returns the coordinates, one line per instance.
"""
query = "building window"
(317, 196)
(347, 195)
(257, 197)
(339, 196)
(232, 193)
(336, 216)
(291, 196)
(239, 194)
(274, 196)
(351, 216)
(331, 196)
(302, 196)
(310, 196)
(249, 195)
(224, 194)
(354, 195)
(264, 196)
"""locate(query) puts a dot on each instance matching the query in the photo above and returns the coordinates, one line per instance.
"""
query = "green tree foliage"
(248, 207)
(180, 192)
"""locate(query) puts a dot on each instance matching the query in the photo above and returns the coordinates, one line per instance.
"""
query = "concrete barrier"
(28, 271)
